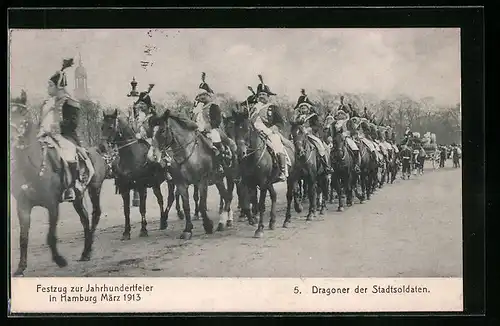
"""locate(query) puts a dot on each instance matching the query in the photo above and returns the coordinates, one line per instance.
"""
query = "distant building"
(81, 91)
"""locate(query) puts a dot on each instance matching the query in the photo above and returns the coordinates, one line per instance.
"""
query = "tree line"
(423, 115)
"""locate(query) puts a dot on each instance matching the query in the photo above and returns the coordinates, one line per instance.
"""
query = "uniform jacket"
(271, 116)
(212, 113)
(61, 116)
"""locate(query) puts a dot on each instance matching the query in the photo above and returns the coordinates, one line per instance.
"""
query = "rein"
(255, 150)
(181, 146)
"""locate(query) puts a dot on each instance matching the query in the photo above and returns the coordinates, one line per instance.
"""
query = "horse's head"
(19, 118)
(242, 128)
(299, 136)
(110, 129)
(338, 144)
(162, 133)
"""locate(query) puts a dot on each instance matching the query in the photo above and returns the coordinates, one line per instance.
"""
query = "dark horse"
(133, 170)
(36, 183)
(369, 165)
(344, 176)
(308, 168)
(258, 169)
(193, 164)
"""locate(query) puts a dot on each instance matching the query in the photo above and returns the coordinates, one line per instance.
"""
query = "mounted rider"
(208, 117)
(306, 112)
(341, 119)
(59, 122)
(267, 119)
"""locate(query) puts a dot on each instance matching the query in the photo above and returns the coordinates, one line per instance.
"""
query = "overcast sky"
(417, 62)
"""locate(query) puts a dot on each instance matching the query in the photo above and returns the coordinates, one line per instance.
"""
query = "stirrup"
(69, 195)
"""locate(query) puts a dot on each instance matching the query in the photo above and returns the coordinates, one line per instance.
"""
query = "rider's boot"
(219, 150)
(282, 164)
(357, 162)
(69, 193)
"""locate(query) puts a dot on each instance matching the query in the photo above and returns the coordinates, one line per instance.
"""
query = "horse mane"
(181, 119)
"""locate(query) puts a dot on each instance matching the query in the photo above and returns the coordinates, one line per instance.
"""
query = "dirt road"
(412, 228)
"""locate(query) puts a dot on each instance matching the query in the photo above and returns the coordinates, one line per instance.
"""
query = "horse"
(38, 179)
(343, 175)
(258, 169)
(309, 169)
(193, 164)
(133, 170)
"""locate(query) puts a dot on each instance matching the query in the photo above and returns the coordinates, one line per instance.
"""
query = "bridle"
(168, 145)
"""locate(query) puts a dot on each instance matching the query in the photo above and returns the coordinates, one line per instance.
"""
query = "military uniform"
(307, 113)
(208, 117)
(59, 119)
(267, 118)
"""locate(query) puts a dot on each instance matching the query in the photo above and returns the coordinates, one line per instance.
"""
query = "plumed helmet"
(263, 88)
(59, 78)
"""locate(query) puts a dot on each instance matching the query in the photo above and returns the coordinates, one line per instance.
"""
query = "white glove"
(138, 136)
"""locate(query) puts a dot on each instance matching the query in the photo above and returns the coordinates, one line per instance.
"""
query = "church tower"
(81, 89)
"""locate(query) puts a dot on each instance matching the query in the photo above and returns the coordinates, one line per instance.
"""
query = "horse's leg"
(125, 192)
(338, 186)
(239, 192)
(208, 225)
(323, 186)
(196, 198)
(84, 219)
(230, 190)
(24, 216)
(259, 233)
(297, 197)
(351, 187)
(52, 238)
(95, 199)
(170, 201)
(245, 201)
(254, 202)
(311, 192)
(159, 199)
(225, 196)
(272, 213)
(290, 194)
(143, 193)
(180, 213)
(183, 192)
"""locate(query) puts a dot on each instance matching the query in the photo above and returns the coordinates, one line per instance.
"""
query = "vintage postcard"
(235, 170)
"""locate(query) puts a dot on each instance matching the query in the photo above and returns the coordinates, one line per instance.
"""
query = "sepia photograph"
(190, 154)
(236, 153)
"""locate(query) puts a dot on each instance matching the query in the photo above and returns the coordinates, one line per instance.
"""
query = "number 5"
(296, 290)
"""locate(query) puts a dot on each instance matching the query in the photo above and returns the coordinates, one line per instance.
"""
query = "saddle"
(269, 147)
(52, 151)
(225, 155)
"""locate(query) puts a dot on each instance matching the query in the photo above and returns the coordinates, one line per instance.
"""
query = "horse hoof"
(186, 235)
(209, 227)
(286, 224)
(180, 215)
(84, 257)
(19, 273)
(220, 227)
(272, 226)
(361, 201)
(340, 209)
(60, 261)
(163, 226)
(125, 237)
(321, 212)
(143, 233)
(309, 218)
(349, 204)
(229, 224)
(258, 234)
(298, 208)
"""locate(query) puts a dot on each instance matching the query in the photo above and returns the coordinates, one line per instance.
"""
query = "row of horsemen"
(59, 119)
